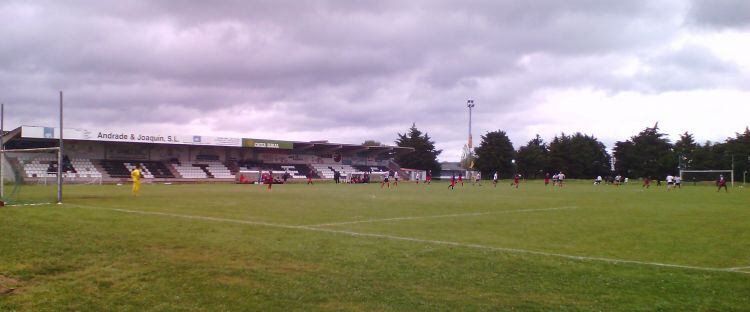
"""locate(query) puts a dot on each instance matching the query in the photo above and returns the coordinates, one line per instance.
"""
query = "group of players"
(673, 182)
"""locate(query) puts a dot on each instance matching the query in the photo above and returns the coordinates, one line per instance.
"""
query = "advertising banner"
(267, 143)
(127, 136)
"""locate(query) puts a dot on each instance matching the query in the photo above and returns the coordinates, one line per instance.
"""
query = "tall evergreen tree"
(579, 156)
(424, 156)
(648, 154)
(495, 153)
(736, 152)
(624, 158)
(684, 149)
(533, 158)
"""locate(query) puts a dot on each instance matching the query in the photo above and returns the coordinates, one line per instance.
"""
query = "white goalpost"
(24, 168)
(708, 175)
(30, 176)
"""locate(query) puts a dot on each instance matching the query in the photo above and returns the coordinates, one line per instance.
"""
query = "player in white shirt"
(598, 180)
(395, 178)
(385, 180)
(560, 179)
(677, 182)
(478, 178)
(670, 182)
(494, 179)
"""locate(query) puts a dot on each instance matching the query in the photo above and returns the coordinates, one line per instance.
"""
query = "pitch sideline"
(418, 240)
(468, 214)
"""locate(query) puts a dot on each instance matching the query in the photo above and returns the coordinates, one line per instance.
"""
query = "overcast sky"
(347, 71)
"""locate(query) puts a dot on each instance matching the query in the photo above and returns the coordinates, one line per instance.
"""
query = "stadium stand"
(203, 169)
(45, 166)
(296, 171)
(218, 170)
(323, 170)
(115, 168)
(188, 171)
(38, 166)
(192, 158)
(122, 168)
(85, 168)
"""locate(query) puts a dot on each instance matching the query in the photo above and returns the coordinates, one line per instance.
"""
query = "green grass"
(241, 248)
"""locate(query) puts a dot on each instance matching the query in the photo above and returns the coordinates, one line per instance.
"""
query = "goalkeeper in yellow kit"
(136, 175)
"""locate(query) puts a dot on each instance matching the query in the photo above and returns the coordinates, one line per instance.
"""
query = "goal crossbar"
(31, 150)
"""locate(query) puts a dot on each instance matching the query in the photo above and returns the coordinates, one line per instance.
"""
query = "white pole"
(2, 147)
(732, 170)
(60, 155)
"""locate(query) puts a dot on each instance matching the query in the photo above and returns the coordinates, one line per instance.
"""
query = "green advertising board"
(267, 143)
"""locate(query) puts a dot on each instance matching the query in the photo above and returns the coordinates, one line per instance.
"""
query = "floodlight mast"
(60, 155)
(2, 148)
(470, 105)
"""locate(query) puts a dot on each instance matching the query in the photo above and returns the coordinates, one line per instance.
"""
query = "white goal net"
(706, 176)
(30, 176)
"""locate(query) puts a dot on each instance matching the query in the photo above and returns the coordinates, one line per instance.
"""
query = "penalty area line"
(468, 214)
(419, 240)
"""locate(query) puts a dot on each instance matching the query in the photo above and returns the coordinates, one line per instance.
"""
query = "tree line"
(646, 154)
(577, 155)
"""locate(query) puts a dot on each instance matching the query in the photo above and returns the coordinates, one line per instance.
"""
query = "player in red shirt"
(428, 178)
(453, 182)
(461, 179)
(646, 182)
(546, 179)
(269, 179)
(722, 183)
(515, 180)
(309, 178)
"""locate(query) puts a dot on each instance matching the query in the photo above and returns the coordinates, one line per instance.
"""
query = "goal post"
(18, 169)
(31, 176)
(705, 175)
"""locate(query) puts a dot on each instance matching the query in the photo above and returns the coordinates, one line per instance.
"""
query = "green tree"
(648, 154)
(424, 156)
(704, 157)
(684, 149)
(579, 156)
(495, 153)
(736, 151)
(533, 158)
(624, 158)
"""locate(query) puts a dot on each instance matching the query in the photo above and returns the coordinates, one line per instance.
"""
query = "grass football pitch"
(359, 247)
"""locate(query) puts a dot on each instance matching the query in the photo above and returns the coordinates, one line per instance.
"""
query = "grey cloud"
(323, 66)
(690, 67)
(720, 13)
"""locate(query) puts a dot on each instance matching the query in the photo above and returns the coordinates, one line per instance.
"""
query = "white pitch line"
(739, 268)
(468, 214)
(418, 240)
(27, 205)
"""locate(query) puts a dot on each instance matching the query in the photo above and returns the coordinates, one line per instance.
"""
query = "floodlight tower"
(470, 105)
